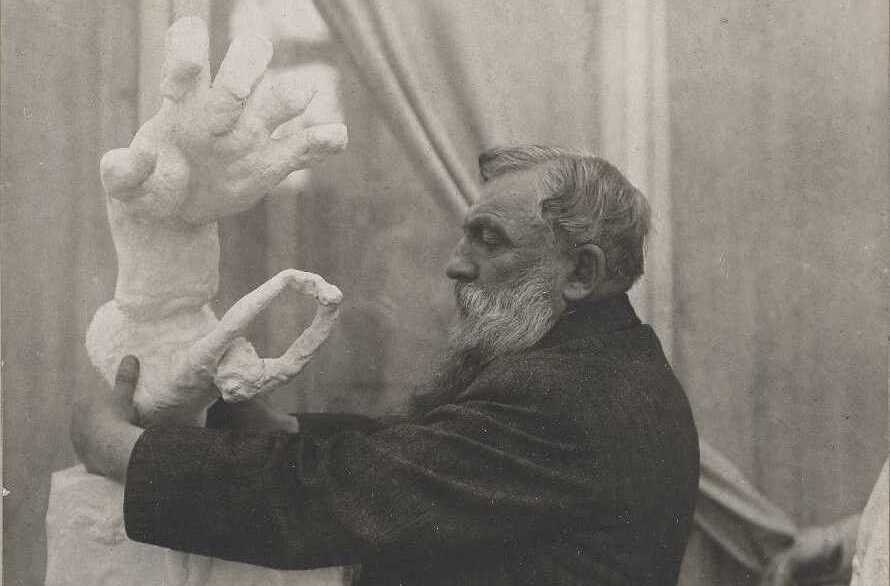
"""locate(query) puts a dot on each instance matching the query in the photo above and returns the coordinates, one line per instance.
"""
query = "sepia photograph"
(444, 292)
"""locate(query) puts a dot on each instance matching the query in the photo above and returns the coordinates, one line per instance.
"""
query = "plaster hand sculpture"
(213, 149)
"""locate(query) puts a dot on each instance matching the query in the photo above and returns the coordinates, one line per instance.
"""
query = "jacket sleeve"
(324, 425)
(474, 473)
(219, 416)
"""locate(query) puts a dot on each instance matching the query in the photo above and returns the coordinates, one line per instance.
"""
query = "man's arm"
(296, 501)
(483, 473)
(104, 431)
(258, 414)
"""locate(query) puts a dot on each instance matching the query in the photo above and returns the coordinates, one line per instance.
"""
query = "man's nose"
(460, 266)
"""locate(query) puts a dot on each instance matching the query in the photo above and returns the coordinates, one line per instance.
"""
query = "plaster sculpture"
(213, 149)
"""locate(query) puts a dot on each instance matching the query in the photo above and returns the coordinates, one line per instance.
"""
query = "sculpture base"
(86, 544)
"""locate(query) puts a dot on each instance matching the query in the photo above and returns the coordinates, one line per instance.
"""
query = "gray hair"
(585, 200)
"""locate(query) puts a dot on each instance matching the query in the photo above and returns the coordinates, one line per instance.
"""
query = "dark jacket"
(575, 462)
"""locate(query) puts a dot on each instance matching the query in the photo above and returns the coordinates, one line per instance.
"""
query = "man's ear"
(587, 274)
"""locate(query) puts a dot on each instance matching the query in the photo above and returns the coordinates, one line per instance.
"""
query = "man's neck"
(590, 317)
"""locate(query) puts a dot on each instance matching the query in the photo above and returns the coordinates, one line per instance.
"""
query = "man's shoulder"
(546, 375)
(603, 354)
(537, 365)
(624, 372)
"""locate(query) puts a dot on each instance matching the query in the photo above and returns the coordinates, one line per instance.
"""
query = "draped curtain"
(779, 175)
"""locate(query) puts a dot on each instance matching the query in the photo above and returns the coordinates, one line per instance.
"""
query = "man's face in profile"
(504, 269)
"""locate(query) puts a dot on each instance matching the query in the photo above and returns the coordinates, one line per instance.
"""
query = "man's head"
(554, 228)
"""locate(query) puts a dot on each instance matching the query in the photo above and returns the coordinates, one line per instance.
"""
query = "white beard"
(506, 320)
(490, 324)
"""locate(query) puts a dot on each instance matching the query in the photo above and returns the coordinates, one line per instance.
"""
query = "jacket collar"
(592, 318)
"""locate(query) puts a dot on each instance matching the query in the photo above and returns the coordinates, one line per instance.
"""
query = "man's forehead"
(514, 195)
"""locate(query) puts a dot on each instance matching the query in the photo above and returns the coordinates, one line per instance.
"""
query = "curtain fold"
(365, 31)
(738, 517)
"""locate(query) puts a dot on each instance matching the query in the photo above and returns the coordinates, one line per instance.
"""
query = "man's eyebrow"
(488, 221)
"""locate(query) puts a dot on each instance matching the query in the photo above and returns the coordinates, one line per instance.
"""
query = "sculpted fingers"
(295, 183)
(328, 295)
(186, 64)
(300, 150)
(280, 370)
(145, 181)
(207, 352)
(278, 99)
(325, 107)
(123, 172)
(241, 70)
(244, 65)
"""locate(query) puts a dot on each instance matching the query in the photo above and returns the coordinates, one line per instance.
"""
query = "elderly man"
(555, 445)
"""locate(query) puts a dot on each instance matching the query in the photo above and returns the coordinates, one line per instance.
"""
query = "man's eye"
(489, 237)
